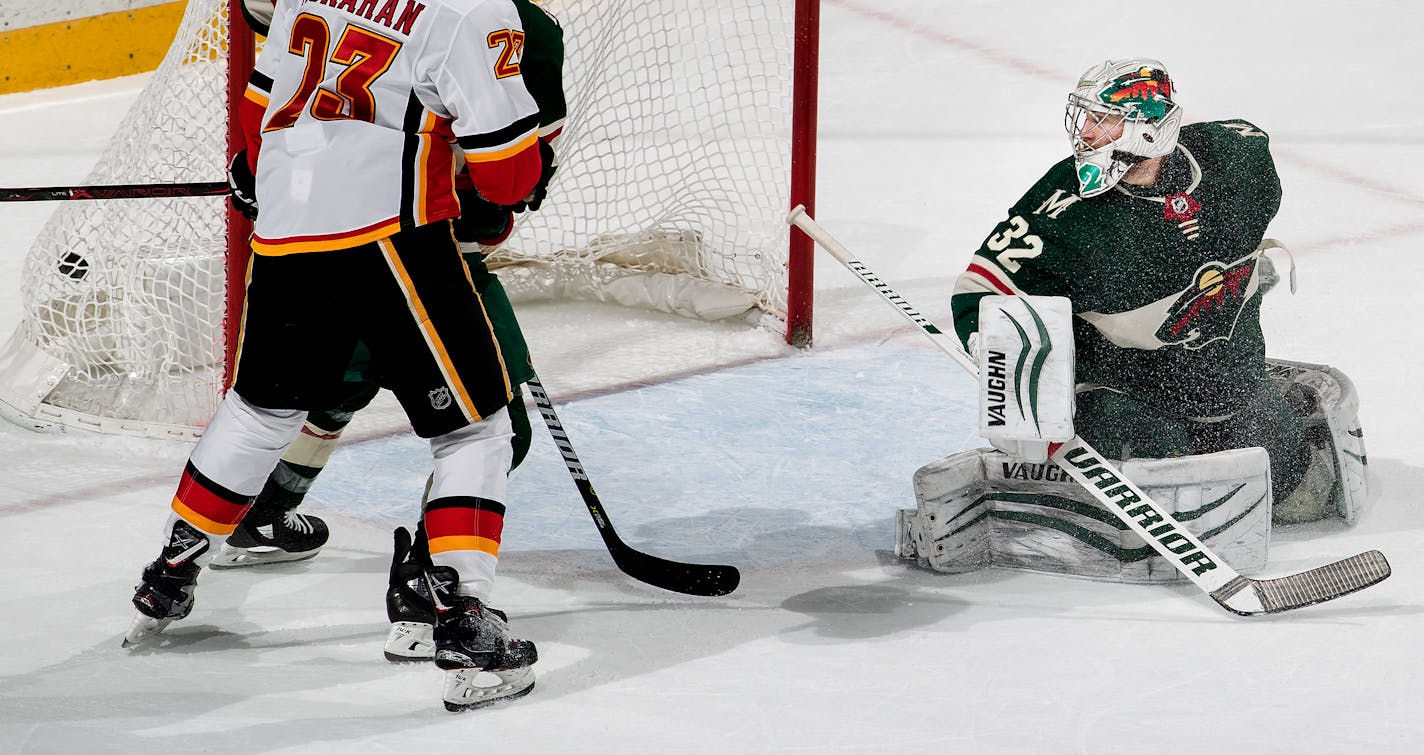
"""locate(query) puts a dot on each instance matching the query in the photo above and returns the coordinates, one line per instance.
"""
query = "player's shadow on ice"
(794, 586)
(859, 612)
(241, 647)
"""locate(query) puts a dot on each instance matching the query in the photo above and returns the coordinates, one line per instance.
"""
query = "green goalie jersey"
(1164, 284)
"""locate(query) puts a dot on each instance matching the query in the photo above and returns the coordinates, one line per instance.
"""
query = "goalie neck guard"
(1121, 113)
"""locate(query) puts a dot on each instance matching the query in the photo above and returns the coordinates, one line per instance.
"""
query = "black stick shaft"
(676, 576)
(115, 191)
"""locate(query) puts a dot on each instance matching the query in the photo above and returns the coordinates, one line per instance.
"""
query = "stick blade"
(709, 580)
(1306, 588)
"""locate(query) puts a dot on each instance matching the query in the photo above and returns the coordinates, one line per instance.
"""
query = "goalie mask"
(1122, 113)
(258, 14)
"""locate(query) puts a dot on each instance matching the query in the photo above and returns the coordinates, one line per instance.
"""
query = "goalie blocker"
(1024, 350)
(985, 508)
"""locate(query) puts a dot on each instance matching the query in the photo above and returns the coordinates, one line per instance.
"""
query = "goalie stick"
(115, 191)
(689, 579)
(1238, 594)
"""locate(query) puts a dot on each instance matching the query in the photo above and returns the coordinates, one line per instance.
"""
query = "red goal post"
(691, 130)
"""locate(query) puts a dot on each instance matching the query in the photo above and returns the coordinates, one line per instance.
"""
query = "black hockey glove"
(536, 197)
(242, 186)
(481, 221)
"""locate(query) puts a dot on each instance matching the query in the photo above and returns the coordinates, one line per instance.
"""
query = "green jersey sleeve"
(1024, 254)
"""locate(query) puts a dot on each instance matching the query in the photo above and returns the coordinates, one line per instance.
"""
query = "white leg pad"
(1335, 414)
(984, 508)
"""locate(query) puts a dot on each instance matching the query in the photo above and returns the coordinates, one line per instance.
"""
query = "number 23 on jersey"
(364, 55)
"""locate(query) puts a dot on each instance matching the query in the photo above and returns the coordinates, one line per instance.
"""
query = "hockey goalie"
(1120, 301)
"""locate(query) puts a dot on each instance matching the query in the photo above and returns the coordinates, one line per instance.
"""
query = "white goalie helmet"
(258, 14)
(1134, 93)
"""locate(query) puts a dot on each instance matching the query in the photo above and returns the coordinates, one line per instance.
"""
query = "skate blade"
(142, 629)
(236, 558)
(462, 692)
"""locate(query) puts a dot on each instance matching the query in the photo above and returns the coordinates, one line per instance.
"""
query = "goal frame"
(124, 333)
(800, 274)
(242, 58)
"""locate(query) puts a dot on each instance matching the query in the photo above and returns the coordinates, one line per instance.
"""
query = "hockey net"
(675, 173)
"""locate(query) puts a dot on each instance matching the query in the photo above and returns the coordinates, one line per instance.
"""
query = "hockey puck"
(74, 266)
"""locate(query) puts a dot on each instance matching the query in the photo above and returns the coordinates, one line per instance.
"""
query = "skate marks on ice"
(256, 667)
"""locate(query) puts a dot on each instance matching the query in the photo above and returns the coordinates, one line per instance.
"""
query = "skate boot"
(165, 590)
(412, 634)
(270, 534)
(471, 637)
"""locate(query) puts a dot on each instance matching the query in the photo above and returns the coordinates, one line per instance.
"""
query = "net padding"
(675, 158)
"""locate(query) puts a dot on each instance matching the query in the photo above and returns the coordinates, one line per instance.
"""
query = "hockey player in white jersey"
(351, 117)
(273, 531)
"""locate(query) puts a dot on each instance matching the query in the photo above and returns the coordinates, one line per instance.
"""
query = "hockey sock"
(294, 474)
(206, 506)
(465, 534)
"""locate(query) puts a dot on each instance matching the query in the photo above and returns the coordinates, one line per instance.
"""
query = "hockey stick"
(1128, 503)
(115, 191)
(689, 579)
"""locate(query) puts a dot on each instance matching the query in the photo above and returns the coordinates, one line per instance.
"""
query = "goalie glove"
(242, 186)
(1024, 351)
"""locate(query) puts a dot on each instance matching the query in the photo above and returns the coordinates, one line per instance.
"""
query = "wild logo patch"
(1209, 308)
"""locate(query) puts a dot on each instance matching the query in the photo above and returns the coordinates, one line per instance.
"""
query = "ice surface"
(717, 443)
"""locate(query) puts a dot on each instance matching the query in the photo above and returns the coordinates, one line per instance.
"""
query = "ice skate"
(271, 535)
(467, 689)
(470, 638)
(165, 590)
(412, 633)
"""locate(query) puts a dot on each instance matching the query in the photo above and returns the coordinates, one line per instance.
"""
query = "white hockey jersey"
(361, 105)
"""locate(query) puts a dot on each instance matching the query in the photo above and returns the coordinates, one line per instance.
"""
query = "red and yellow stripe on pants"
(208, 506)
(464, 533)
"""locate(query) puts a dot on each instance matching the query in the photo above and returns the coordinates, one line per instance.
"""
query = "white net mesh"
(675, 158)
(673, 179)
(129, 293)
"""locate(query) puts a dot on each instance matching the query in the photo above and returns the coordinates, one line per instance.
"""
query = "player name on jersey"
(380, 11)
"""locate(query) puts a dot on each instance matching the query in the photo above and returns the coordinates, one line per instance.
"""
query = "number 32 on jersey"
(1012, 242)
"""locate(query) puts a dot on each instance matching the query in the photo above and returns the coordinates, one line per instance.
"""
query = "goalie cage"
(691, 127)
